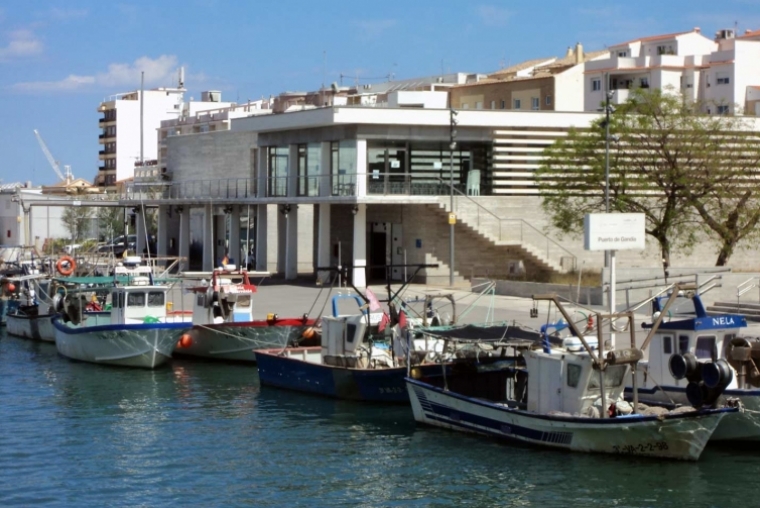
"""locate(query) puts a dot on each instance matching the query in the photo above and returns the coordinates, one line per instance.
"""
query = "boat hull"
(301, 369)
(237, 341)
(742, 426)
(674, 436)
(97, 341)
(31, 327)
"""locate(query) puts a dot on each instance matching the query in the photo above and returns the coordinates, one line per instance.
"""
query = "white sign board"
(614, 231)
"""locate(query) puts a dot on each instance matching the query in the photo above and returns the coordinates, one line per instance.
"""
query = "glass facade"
(343, 167)
(278, 171)
(398, 168)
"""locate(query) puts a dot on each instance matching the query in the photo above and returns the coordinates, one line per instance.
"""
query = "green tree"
(682, 169)
(77, 220)
(110, 222)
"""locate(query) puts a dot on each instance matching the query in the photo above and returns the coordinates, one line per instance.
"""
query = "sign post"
(612, 232)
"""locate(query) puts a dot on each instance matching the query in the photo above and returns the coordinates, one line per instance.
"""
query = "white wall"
(403, 98)
(568, 89)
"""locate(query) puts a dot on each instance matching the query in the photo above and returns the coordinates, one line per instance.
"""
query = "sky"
(60, 58)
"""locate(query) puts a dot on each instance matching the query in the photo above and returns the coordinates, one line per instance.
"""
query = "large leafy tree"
(682, 169)
(77, 220)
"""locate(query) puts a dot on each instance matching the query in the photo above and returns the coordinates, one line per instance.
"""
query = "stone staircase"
(749, 310)
(481, 253)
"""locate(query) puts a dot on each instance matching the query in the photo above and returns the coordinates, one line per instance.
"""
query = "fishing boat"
(223, 325)
(137, 332)
(700, 357)
(567, 398)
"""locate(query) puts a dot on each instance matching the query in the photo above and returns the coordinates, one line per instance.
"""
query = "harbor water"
(206, 434)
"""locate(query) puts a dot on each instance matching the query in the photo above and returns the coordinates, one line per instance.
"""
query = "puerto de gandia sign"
(614, 231)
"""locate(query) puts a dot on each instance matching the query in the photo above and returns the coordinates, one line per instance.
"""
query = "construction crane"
(53, 163)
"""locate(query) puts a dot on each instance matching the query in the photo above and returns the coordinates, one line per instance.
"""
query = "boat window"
(136, 300)
(683, 344)
(115, 299)
(613, 377)
(121, 300)
(350, 332)
(200, 300)
(156, 299)
(706, 348)
(573, 375)
(243, 301)
(667, 344)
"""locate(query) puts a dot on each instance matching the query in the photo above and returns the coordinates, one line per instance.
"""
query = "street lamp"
(452, 218)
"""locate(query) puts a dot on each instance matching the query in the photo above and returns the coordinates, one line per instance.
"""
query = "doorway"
(378, 250)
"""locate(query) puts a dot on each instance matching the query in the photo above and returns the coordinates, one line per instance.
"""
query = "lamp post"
(609, 255)
(452, 218)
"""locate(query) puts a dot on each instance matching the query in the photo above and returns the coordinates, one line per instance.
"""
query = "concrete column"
(361, 168)
(291, 243)
(140, 230)
(324, 170)
(184, 238)
(234, 249)
(208, 238)
(359, 276)
(163, 233)
(281, 239)
(261, 238)
(263, 170)
(324, 244)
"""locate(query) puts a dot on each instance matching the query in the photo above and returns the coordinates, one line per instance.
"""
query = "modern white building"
(721, 72)
(21, 224)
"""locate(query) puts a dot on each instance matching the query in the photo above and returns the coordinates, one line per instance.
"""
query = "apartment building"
(544, 84)
(124, 139)
(721, 72)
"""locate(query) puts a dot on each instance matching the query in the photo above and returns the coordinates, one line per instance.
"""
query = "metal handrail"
(520, 220)
(745, 286)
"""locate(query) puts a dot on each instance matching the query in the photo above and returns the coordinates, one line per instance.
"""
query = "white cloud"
(22, 43)
(158, 71)
(493, 16)
(371, 28)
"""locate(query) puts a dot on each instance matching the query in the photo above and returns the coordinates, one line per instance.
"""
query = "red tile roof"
(652, 38)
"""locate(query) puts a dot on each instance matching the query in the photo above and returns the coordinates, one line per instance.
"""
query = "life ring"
(66, 265)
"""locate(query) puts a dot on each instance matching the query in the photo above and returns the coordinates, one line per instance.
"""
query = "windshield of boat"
(613, 377)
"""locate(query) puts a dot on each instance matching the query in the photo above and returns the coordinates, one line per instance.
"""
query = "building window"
(302, 178)
(535, 103)
(723, 110)
(278, 171)
(343, 167)
(493, 104)
(479, 105)
(465, 105)
(722, 79)
(503, 104)
(665, 50)
(516, 104)
(644, 82)
(596, 84)
(548, 100)
(622, 54)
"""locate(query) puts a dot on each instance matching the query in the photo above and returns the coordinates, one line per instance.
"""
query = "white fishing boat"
(567, 398)
(29, 317)
(696, 357)
(223, 324)
(137, 332)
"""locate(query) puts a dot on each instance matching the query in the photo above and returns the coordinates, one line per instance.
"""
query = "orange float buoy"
(66, 265)
(185, 341)
(308, 333)
(11, 287)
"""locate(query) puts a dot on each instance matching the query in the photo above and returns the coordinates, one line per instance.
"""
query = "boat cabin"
(140, 302)
(690, 329)
(568, 382)
(343, 339)
(223, 300)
